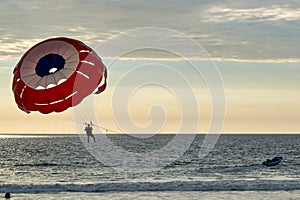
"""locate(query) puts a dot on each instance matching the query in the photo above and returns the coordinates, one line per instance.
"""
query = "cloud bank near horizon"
(257, 31)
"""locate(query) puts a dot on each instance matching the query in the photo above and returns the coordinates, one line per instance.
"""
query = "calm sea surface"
(60, 167)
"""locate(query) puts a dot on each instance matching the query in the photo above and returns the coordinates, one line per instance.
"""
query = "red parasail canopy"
(56, 74)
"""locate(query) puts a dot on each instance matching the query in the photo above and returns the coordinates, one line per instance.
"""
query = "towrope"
(155, 74)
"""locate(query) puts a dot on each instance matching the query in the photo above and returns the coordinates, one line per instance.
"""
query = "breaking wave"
(224, 185)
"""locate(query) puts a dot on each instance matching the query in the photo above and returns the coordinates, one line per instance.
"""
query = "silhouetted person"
(89, 132)
(7, 195)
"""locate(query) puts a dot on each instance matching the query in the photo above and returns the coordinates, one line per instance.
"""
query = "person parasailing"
(89, 131)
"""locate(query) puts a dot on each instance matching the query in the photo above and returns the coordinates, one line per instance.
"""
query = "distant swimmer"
(89, 132)
(7, 195)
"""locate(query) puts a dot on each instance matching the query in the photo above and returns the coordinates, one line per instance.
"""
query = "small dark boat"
(274, 161)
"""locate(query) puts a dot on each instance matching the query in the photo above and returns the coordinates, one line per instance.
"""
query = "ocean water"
(60, 167)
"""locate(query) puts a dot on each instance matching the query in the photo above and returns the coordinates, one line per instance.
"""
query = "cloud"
(224, 14)
(5, 69)
(237, 35)
(12, 48)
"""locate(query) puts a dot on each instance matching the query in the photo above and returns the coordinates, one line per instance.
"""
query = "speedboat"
(274, 161)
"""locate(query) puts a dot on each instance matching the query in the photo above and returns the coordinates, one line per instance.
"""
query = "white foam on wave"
(224, 185)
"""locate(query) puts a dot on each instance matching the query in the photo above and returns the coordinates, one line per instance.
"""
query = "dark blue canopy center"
(49, 64)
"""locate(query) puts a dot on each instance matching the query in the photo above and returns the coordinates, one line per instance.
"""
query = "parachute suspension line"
(85, 116)
(101, 127)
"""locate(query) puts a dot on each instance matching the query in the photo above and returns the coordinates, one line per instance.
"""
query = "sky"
(253, 43)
